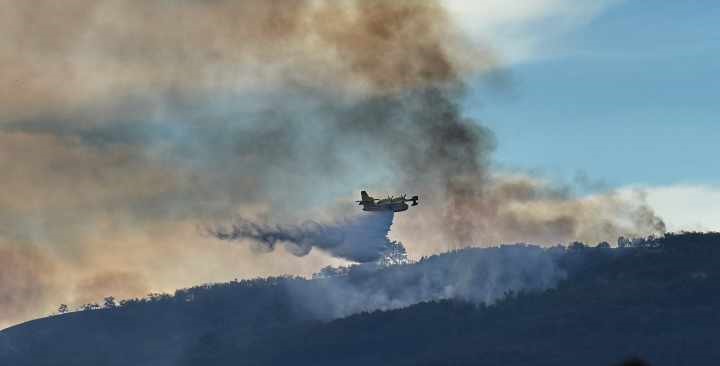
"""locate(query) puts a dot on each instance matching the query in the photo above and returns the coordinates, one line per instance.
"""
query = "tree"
(330, 271)
(395, 255)
(62, 309)
(109, 302)
(88, 307)
(623, 242)
(156, 297)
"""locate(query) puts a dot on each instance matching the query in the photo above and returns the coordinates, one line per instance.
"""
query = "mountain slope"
(655, 299)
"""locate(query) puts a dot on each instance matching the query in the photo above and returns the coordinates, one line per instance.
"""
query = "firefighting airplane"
(395, 204)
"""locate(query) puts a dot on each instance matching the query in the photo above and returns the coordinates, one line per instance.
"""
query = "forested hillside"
(655, 298)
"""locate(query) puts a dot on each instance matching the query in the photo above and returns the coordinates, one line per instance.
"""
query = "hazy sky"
(626, 99)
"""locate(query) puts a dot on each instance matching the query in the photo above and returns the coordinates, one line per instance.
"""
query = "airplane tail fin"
(414, 200)
(364, 196)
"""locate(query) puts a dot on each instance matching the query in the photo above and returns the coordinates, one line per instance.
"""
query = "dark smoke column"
(432, 149)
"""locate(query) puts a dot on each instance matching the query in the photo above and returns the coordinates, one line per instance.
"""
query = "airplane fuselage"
(393, 206)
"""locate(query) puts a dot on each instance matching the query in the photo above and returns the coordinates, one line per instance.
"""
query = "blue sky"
(629, 98)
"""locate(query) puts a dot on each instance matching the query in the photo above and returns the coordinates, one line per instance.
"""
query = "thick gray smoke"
(479, 275)
(144, 118)
(432, 149)
(362, 238)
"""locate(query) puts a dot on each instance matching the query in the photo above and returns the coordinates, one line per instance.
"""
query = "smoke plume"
(125, 124)
(361, 238)
(477, 275)
(27, 279)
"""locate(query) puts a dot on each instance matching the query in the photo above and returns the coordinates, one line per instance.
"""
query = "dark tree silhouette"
(109, 302)
(88, 307)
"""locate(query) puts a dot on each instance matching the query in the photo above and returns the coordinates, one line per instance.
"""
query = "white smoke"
(477, 275)
(362, 238)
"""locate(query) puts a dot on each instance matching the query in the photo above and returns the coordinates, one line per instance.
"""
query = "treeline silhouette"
(655, 298)
(689, 242)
